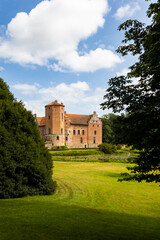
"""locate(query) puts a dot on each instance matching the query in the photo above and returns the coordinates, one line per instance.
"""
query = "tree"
(141, 101)
(25, 163)
(113, 129)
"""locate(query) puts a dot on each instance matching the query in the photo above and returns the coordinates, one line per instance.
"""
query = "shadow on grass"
(49, 220)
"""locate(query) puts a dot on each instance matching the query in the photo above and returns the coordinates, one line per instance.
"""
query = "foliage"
(107, 148)
(59, 148)
(113, 129)
(141, 101)
(119, 146)
(25, 163)
(75, 152)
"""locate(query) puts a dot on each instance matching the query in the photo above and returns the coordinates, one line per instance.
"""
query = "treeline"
(114, 129)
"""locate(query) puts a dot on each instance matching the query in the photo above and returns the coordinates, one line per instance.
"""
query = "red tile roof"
(41, 121)
(55, 103)
(79, 119)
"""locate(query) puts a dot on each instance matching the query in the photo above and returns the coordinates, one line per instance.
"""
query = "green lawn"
(89, 204)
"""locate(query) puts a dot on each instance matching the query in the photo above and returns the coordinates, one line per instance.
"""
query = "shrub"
(59, 148)
(25, 163)
(119, 146)
(107, 148)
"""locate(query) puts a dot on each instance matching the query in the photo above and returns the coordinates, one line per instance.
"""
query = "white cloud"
(127, 11)
(123, 72)
(50, 34)
(1, 69)
(26, 89)
(78, 97)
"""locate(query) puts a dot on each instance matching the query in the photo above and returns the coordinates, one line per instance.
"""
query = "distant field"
(89, 204)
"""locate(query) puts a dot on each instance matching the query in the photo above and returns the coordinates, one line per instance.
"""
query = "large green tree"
(25, 163)
(141, 101)
(113, 129)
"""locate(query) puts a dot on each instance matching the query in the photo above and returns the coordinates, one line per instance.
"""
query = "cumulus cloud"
(25, 89)
(78, 95)
(126, 11)
(50, 34)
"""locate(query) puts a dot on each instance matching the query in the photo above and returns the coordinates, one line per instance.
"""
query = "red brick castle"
(73, 130)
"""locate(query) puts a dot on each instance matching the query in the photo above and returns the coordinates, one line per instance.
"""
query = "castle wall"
(77, 136)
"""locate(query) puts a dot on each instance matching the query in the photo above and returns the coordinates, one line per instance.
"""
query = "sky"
(64, 50)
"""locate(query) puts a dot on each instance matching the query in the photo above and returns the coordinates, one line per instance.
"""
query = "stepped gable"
(41, 121)
(55, 103)
(77, 119)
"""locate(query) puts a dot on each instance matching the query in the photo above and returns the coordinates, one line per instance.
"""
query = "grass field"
(89, 204)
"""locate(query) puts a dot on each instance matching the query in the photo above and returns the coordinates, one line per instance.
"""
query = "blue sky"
(64, 50)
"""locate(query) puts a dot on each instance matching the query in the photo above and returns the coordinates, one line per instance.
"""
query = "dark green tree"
(141, 101)
(25, 163)
(113, 129)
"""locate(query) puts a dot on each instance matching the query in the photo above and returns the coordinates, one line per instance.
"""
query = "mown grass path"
(89, 204)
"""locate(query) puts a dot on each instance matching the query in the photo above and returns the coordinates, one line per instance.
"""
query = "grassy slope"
(89, 204)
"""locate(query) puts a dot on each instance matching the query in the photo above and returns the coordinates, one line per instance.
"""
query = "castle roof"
(55, 103)
(41, 121)
(79, 119)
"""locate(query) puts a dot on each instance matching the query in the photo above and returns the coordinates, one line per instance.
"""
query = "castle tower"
(55, 128)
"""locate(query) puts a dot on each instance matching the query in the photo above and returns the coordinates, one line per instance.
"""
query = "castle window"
(62, 116)
(83, 132)
(49, 131)
(66, 138)
(78, 132)
(81, 140)
(61, 130)
(74, 132)
(57, 137)
(94, 140)
(95, 132)
(97, 125)
(93, 125)
(48, 117)
(65, 131)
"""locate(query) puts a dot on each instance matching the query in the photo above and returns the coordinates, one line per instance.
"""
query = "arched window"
(83, 132)
(49, 131)
(95, 132)
(94, 140)
(61, 130)
(81, 140)
(74, 132)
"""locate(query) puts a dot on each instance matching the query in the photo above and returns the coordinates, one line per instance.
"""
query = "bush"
(25, 163)
(119, 146)
(59, 148)
(107, 148)
(75, 152)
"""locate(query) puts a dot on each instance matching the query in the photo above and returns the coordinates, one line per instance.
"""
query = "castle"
(58, 128)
